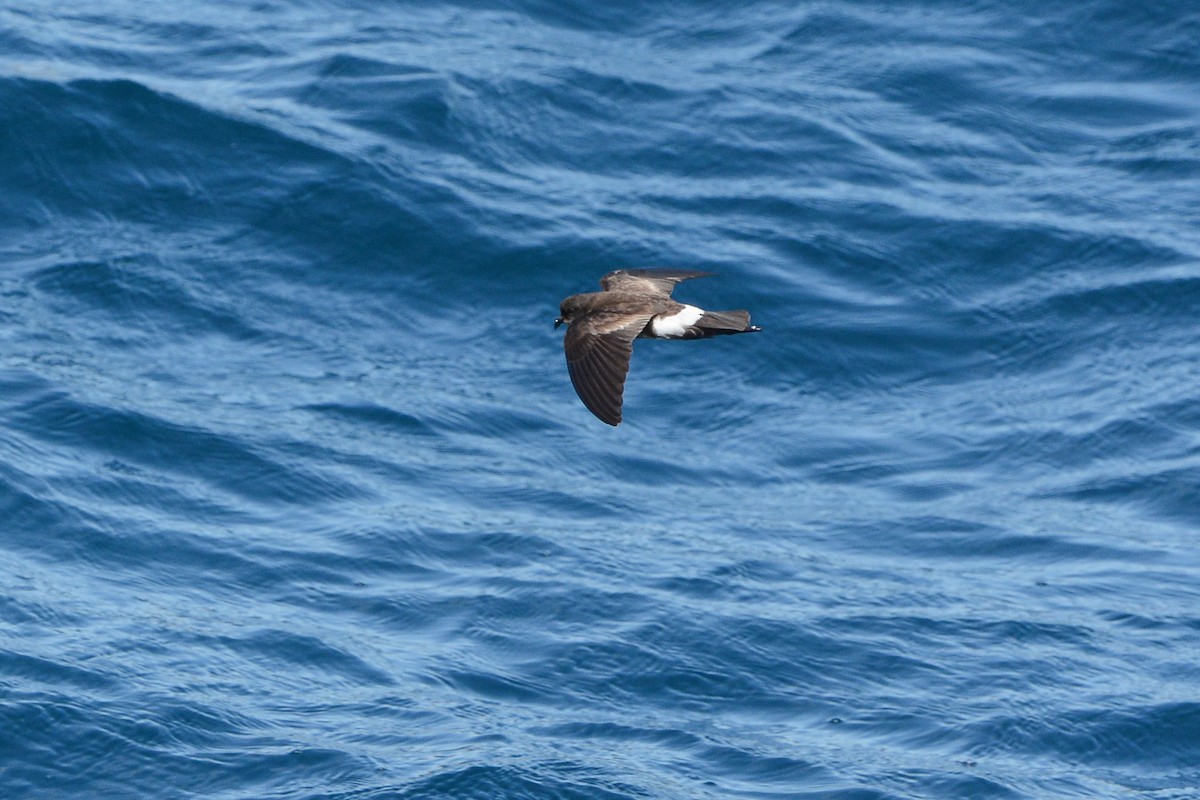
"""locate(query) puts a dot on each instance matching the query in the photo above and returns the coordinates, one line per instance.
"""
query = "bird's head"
(567, 312)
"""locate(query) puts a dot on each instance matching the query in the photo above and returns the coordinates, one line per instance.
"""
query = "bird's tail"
(719, 323)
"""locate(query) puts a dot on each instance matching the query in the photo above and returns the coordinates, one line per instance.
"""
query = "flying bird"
(635, 304)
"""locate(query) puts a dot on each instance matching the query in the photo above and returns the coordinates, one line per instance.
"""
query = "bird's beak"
(558, 322)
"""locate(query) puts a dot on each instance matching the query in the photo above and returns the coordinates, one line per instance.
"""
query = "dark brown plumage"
(635, 303)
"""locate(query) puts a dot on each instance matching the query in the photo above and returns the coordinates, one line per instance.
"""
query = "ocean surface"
(297, 501)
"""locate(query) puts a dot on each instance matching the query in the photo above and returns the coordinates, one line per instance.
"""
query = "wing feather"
(598, 348)
(655, 281)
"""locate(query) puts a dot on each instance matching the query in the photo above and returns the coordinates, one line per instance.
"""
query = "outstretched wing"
(655, 281)
(598, 348)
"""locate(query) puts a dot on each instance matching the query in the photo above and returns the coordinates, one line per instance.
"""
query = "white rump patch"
(676, 325)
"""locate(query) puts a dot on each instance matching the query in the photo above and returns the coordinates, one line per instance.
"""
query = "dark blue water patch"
(377, 417)
(117, 40)
(399, 101)
(969, 633)
(142, 296)
(1124, 441)
(760, 668)
(616, 732)
(356, 226)
(22, 668)
(1166, 153)
(1147, 738)
(287, 652)
(126, 553)
(588, 17)
(480, 782)
(155, 155)
(823, 35)
(961, 785)
(158, 444)
(1168, 494)
(16, 610)
(1144, 622)
(1159, 302)
(111, 750)
(30, 515)
(953, 540)
(1123, 40)
(753, 769)
(496, 549)
(1026, 256)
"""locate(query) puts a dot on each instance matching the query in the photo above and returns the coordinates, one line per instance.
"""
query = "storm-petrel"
(635, 303)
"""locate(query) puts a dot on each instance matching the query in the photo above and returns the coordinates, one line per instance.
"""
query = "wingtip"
(614, 421)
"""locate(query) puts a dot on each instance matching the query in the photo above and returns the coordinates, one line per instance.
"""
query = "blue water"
(296, 499)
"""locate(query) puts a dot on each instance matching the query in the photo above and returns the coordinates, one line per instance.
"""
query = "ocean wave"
(296, 497)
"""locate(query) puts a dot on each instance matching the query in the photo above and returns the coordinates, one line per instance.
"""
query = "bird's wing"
(655, 281)
(598, 347)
